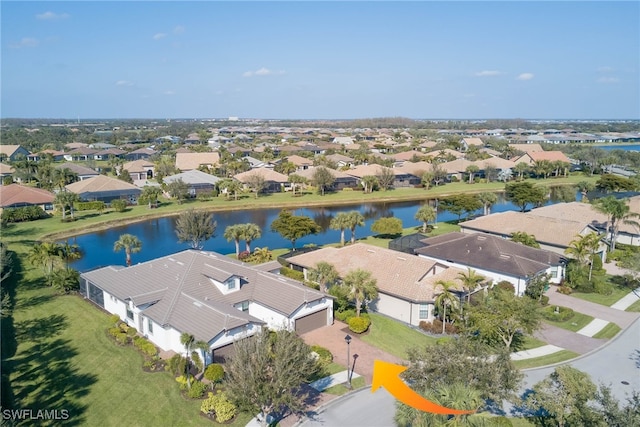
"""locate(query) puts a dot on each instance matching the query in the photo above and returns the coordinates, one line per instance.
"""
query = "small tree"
(125, 176)
(369, 182)
(150, 195)
(322, 178)
(256, 182)
(472, 170)
(325, 275)
(362, 287)
(487, 199)
(131, 245)
(386, 177)
(234, 232)
(387, 226)
(178, 189)
(425, 214)
(355, 219)
(293, 227)
(523, 194)
(295, 180)
(250, 232)
(525, 239)
(195, 227)
(340, 222)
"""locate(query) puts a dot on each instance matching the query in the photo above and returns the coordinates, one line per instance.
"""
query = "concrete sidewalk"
(335, 379)
(627, 300)
(544, 350)
(593, 327)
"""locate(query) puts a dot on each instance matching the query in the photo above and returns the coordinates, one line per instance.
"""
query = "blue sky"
(324, 60)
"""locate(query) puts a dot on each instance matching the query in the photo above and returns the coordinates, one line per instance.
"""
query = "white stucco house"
(216, 299)
(495, 258)
(407, 284)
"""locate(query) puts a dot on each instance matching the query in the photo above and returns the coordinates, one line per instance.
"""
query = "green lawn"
(531, 342)
(609, 331)
(341, 389)
(635, 307)
(577, 322)
(617, 293)
(383, 242)
(395, 337)
(559, 356)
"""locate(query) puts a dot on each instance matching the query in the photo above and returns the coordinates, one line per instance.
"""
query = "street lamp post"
(348, 341)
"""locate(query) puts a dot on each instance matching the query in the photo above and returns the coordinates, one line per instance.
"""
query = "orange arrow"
(386, 375)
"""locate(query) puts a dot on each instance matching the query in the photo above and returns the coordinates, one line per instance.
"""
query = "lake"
(634, 147)
(159, 238)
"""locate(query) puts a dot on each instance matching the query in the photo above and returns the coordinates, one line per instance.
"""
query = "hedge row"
(25, 213)
(90, 206)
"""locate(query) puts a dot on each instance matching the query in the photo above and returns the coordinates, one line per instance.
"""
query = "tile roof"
(138, 165)
(489, 253)
(190, 161)
(193, 177)
(266, 173)
(8, 150)
(6, 169)
(406, 276)
(77, 169)
(184, 297)
(101, 183)
(527, 148)
(16, 194)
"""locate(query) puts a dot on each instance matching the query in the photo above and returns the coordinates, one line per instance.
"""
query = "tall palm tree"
(325, 275)
(470, 281)
(361, 286)
(425, 214)
(45, 255)
(487, 199)
(70, 252)
(369, 182)
(583, 248)
(187, 340)
(150, 194)
(445, 299)
(250, 232)
(355, 219)
(234, 232)
(341, 222)
(131, 245)
(619, 213)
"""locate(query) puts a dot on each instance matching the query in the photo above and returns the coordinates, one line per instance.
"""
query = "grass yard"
(577, 322)
(395, 337)
(557, 357)
(531, 342)
(608, 300)
(634, 308)
(608, 332)
(383, 242)
(341, 389)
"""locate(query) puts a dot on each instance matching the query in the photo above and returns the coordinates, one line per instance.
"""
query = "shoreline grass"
(550, 359)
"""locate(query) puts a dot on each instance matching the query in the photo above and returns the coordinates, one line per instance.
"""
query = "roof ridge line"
(174, 301)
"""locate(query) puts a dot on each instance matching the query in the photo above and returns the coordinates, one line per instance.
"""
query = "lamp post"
(347, 339)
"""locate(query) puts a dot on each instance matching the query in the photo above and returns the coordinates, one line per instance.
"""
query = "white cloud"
(605, 69)
(51, 16)
(124, 83)
(24, 42)
(179, 29)
(159, 36)
(487, 73)
(261, 72)
(525, 76)
(169, 92)
(608, 80)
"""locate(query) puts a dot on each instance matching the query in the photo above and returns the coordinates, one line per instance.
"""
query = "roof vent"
(401, 258)
(371, 250)
(197, 304)
(482, 238)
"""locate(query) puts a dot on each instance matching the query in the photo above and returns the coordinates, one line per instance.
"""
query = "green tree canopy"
(523, 194)
(387, 226)
(130, 243)
(340, 222)
(293, 227)
(322, 178)
(525, 239)
(362, 287)
(425, 214)
(195, 227)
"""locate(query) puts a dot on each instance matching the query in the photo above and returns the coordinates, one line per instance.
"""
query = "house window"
(244, 306)
(424, 311)
(150, 326)
(554, 272)
(231, 284)
(129, 314)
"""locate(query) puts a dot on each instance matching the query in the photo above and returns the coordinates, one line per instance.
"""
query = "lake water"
(634, 147)
(159, 238)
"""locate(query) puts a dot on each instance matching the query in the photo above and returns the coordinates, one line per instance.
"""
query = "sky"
(320, 60)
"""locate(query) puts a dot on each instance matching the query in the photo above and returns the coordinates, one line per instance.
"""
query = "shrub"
(557, 313)
(359, 325)
(197, 389)
(89, 206)
(114, 319)
(345, 315)
(244, 255)
(324, 356)
(501, 421)
(214, 373)
(182, 380)
(114, 331)
(122, 338)
(544, 300)
(132, 332)
(119, 205)
(145, 346)
(177, 364)
(506, 286)
(434, 327)
(220, 405)
(291, 273)
(564, 290)
(25, 213)
(124, 327)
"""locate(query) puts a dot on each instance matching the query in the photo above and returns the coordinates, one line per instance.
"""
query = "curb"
(320, 409)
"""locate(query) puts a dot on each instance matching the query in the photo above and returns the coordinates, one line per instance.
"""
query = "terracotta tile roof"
(406, 276)
(551, 156)
(20, 195)
(6, 169)
(527, 148)
(101, 183)
(190, 161)
(365, 170)
(8, 150)
(266, 173)
(299, 160)
(308, 173)
(138, 165)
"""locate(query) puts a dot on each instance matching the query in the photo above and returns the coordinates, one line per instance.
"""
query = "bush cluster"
(244, 255)
(145, 346)
(291, 273)
(90, 206)
(119, 205)
(197, 389)
(219, 405)
(359, 325)
(544, 300)
(114, 319)
(557, 313)
(345, 315)
(177, 365)
(214, 373)
(324, 356)
(25, 213)
(435, 327)
(566, 290)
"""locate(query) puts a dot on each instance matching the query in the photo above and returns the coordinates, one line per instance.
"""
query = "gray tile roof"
(182, 295)
(489, 253)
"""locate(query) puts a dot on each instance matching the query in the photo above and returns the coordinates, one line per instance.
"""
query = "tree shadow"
(635, 356)
(32, 301)
(311, 398)
(39, 329)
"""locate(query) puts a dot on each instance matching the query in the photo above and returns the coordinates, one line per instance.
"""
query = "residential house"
(109, 153)
(106, 189)
(216, 299)
(343, 140)
(301, 163)
(407, 284)
(493, 257)
(197, 181)
(401, 178)
(274, 182)
(551, 156)
(16, 196)
(55, 155)
(80, 154)
(191, 161)
(5, 171)
(527, 148)
(341, 160)
(82, 172)
(13, 152)
(140, 154)
(341, 181)
(465, 143)
(140, 171)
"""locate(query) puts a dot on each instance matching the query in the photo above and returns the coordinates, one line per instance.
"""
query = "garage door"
(222, 354)
(312, 321)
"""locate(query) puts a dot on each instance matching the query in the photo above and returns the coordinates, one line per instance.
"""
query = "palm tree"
(187, 340)
(355, 219)
(340, 222)
(131, 245)
(445, 299)
(261, 255)
(150, 194)
(583, 248)
(369, 182)
(361, 286)
(69, 253)
(325, 275)
(294, 180)
(45, 256)
(425, 214)
(64, 200)
(487, 199)
(250, 232)
(234, 232)
(521, 168)
(470, 281)
(472, 170)
(619, 212)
